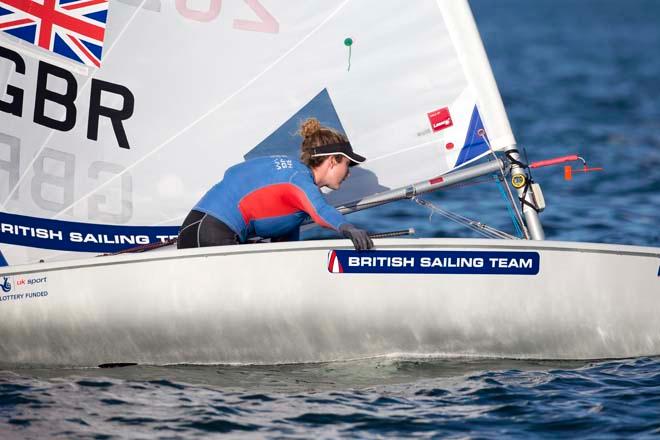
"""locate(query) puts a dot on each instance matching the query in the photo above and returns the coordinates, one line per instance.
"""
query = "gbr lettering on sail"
(67, 99)
(14, 103)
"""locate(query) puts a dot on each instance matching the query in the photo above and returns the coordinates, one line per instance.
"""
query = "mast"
(522, 183)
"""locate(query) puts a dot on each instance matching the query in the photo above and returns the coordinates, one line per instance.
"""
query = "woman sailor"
(271, 196)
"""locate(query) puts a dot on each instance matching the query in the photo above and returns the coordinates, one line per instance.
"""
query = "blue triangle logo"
(474, 145)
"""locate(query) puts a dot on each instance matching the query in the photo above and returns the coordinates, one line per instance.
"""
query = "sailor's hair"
(315, 135)
(310, 127)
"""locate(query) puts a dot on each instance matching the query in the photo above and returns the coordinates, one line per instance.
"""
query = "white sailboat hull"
(279, 303)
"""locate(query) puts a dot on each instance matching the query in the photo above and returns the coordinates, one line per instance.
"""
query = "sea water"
(576, 76)
(458, 398)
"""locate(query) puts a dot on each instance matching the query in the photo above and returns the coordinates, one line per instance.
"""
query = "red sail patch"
(440, 119)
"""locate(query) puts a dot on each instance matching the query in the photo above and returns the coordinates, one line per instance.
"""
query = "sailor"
(270, 197)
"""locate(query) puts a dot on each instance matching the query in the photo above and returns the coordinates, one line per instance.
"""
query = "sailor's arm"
(310, 200)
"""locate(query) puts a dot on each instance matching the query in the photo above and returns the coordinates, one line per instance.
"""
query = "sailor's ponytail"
(309, 128)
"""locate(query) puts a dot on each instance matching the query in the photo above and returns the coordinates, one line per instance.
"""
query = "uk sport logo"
(6, 285)
(71, 28)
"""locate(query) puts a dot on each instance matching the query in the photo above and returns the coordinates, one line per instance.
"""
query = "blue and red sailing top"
(268, 197)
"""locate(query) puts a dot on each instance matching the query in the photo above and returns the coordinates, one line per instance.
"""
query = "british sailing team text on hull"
(442, 262)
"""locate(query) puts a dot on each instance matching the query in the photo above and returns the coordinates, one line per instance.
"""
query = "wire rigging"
(478, 227)
(512, 206)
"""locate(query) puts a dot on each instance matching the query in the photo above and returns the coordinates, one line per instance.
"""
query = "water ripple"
(595, 399)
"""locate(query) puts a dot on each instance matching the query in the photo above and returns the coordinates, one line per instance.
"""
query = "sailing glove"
(359, 237)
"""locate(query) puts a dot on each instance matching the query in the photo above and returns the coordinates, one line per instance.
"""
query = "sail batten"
(182, 94)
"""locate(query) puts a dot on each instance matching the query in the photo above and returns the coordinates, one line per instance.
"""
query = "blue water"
(576, 76)
(364, 399)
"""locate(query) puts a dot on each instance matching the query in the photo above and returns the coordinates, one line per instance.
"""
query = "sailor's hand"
(359, 237)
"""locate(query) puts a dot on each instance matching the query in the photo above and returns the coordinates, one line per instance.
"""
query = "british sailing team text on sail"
(77, 237)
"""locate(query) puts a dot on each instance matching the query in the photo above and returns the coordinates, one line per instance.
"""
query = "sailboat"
(116, 116)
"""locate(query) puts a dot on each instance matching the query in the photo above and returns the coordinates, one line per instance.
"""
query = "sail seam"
(208, 112)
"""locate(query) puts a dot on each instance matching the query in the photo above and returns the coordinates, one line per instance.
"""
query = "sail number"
(66, 100)
(54, 175)
(267, 23)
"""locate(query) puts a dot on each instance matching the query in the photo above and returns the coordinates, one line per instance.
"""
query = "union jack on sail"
(71, 28)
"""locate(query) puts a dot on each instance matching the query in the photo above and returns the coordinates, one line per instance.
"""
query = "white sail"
(186, 89)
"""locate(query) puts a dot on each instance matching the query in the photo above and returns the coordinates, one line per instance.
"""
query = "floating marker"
(348, 42)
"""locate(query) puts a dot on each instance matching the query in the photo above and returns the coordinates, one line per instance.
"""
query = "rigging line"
(208, 112)
(476, 226)
(529, 170)
(403, 150)
(413, 147)
(84, 85)
(481, 228)
(423, 144)
(514, 219)
(513, 205)
(512, 202)
(162, 214)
